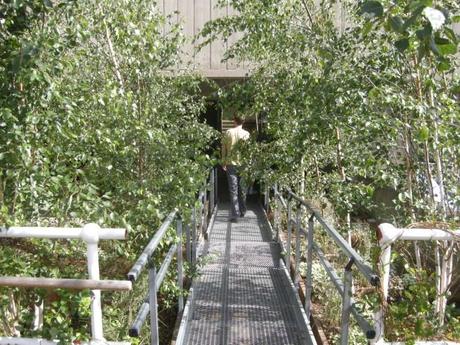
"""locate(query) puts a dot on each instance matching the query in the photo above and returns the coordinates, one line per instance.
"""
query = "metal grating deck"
(242, 295)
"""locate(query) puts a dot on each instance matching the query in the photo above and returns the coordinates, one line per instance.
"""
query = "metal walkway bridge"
(243, 294)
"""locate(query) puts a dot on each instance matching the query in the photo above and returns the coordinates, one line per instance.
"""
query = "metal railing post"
(180, 263)
(204, 215)
(188, 243)
(297, 244)
(277, 220)
(309, 276)
(193, 251)
(153, 304)
(346, 303)
(343, 286)
(90, 234)
(267, 197)
(216, 186)
(287, 258)
(360, 263)
(212, 192)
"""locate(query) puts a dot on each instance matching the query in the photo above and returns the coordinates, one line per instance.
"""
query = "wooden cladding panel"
(232, 64)
(218, 48)
(188, 23)
(202, 16)
(192, 15)
(169, 8)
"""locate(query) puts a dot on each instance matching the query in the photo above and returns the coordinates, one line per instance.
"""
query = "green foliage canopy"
(92, 129)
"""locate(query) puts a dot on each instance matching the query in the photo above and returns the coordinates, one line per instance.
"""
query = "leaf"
(444, 65)
(419, 326)
(451, 35)
(456, 88)
(455, 19)
(415, 5)
(445, 47)
(402, 44)
(396, 23)
(372, 8)
(367, 27)
(424, 33)
(413, 19)
(433, 47)
(373, 93)
(423, 133)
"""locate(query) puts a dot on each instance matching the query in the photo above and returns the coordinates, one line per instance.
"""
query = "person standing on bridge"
(232, 166)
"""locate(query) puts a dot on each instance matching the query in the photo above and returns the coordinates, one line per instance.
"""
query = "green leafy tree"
(92, 129)
(359, 104)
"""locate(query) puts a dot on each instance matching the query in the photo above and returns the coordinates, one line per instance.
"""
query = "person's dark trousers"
(237, 190)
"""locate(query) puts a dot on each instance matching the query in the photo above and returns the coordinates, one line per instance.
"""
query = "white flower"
(435, 17)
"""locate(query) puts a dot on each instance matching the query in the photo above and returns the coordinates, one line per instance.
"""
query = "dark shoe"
(242, 215)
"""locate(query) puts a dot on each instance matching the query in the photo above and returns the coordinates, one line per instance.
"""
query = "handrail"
(65, 283)
(60, 233)
(360, 263)
(280, 197)
(344, 287)
(389, 234)
(149, 306)
(39, 341)
(135, 329)
(338, 283)
(91, 234)
(150, 248)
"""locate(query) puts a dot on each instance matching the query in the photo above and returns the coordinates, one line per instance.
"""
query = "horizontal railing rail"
(158, 278)
(135, 271)
(63, 283)
(444, 259)
(38, 341)
(61, 233)
(343, 286)
(193, 230)
(91, 234)
(365, 325)
(360, 263)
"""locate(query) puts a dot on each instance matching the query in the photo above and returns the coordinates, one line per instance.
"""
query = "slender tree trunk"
(10, 317)
(409, 172)
(318, 175)
(113, 56)
(438, 158)
(2, 190)
(438, 260)
(428, 171)
(343, 177)
(339, 155)
(302, 177)
(15, 197)
(444, 267)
